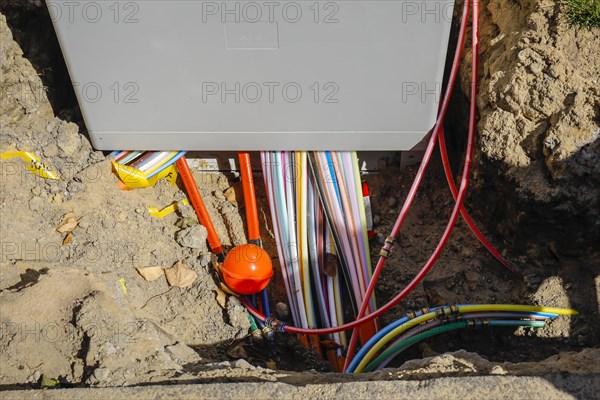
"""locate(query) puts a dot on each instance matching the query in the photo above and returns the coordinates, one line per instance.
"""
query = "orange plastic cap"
(247, 269)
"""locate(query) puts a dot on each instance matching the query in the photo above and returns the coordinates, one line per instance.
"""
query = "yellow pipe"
(462, 309)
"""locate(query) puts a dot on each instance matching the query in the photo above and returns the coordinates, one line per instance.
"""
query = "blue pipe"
(379, 335)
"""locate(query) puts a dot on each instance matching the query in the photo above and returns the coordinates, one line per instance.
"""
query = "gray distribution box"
(255, 75)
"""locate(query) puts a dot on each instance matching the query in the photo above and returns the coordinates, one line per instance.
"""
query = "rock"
(186, 210)
(108, 348)
(536, 68)
(108, 223)
(182, 354)
(69, 140)
(193, 237)
(75, 187)
(241, 363)
(219, 195)
(50, 150)
(37, 204)
(101, 373)
(283, 310)
(205, 260)
(96, 157)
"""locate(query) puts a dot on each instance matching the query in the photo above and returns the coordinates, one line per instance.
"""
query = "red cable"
(460, 197)
(416, 183)
(465, 214)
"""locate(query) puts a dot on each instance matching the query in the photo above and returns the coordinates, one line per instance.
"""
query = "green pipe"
(439, 330)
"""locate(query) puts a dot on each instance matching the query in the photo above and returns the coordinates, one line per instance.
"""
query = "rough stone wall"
(539, 109)
(540, 99)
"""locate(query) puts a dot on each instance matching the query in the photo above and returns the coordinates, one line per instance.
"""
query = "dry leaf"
(69, 222)
(67, 238)
(234, 194)
(180, 275)
(150, 273)
(226, 289)
(221, 298)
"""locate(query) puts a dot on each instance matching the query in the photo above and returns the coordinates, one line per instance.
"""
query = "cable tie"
(268, 332)
(257, 335)
(384, 253)
(424, 310)
(256, 242)
(275, 324)
(411, 314)
(454, 309)
(440, 313)
(387, 247)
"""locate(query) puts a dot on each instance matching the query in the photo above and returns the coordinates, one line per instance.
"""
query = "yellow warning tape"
(123, 286)
(134, 178)
(32, 163)
(155, 212)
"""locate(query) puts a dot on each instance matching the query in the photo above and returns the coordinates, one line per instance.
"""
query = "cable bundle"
(419, 325)
(149, 163)
(320, 225)
(366, 313)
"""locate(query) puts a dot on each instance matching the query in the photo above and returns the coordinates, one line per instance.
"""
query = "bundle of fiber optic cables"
(319, 220)
(392, 340)
(147, 164)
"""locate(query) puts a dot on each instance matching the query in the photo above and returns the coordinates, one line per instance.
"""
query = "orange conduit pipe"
(249, 198)
(194, 195)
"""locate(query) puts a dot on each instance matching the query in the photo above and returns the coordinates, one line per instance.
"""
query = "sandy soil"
(65, 314)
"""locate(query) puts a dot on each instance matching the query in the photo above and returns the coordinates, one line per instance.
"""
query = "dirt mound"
(79, 310)
(539, 125)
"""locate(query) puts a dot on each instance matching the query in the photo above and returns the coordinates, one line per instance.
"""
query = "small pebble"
(193, 237)
(282, 309)
(75, 187)
(50, 150)
(101, 373)
(36, 204)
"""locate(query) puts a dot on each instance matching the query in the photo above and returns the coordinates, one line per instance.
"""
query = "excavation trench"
(78, 311)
